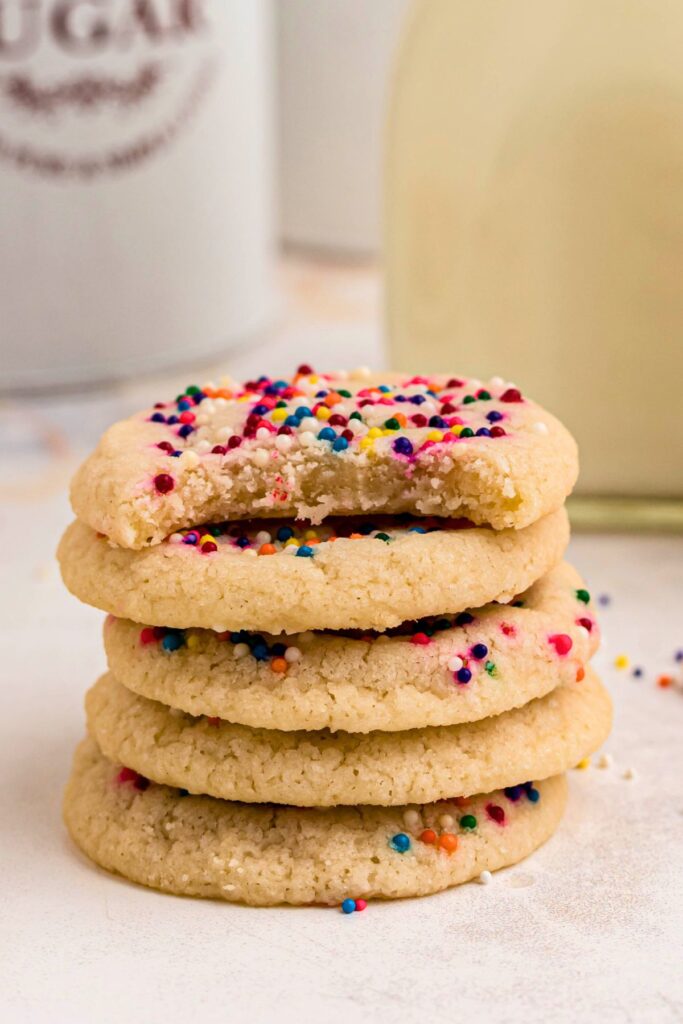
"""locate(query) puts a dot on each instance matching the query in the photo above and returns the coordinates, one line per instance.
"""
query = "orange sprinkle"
(278, 665)
(355, 536)
(461, 801)
(664, 681)
(223, 393)
(428, 836)
(401, 418)
(580, 673)
(448, 842)
(267, 549)
(311, 541)
(332, 399)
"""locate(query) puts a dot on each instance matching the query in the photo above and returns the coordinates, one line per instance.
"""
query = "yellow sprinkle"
(314, 378)
(584, 763)
(367, 442)
(621, 661)
(456, 429)
(279, 415)
(435, 435)
(192, 641)
(310, 533)
(385, 432)
(374, 432)
(324, 413)
(291, 541)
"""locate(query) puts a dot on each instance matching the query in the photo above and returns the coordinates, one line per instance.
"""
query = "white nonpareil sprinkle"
(541, 428)
(223, 433)
(203, 446)
(189, 458)
(283, 442)
(260, 456)
(360, 373)
(446, 821)
(485, 877)
(175, 538)
(309, 423)
(497, 382)
(292, 653)
(263, 537)
(262, 434)
(240, 650)
(455, 664)
(411, 818)
(306, 438)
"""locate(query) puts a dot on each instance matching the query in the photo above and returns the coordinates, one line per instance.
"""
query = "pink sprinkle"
(420, 638)
(361, 904)
(561, 642)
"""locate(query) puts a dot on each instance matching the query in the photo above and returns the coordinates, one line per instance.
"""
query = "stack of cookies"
(346, 659)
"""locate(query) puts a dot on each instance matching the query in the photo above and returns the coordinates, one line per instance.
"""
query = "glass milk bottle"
(534, 222)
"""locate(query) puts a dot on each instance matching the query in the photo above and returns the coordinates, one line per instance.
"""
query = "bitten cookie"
(199, 846)
(346, 574)
(322, 769)
(320, 445)
(439, 671)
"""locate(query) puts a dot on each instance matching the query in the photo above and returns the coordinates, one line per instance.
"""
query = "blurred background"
(199, 187)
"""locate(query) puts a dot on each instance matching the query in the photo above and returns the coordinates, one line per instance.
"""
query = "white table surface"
(588, 929)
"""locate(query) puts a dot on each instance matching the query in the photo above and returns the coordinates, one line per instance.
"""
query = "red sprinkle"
(164, 483)
(235, 441)
(586, 623)
(511, 395)
(498, 432)
(496, 813)
(187, 417)
(166, 446)
(361, 904)
(147, 636)
(428, 836)
(420, 638)
(561, 642)
(507, 629)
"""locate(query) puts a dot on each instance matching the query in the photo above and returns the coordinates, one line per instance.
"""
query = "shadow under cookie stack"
(346, 659)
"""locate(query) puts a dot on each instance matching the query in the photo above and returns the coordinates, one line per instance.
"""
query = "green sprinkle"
(382, 536)
(344, 394)
(466, 431)
(583, 595)
(192, 390)
(490, 668)
(392, 424)
(355, 416)
(468, 821)
(468, 399)
(484, 396)
(215, 531)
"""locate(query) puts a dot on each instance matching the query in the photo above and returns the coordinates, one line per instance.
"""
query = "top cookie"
(320, 445)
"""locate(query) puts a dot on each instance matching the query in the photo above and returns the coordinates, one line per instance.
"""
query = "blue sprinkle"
(185, 430)
(400, 842)
(327, 434)
(260, 652)
(464, 675)
(533, 795)
(176, 454)
(302, 412)
(292, 421)
(479, 651)
(417, 529)
(385, 388)
(173, 419)
(172, 641)
(260, 410)
(304, 551)
(242, 542)
(437, 421)
(483, 432)
(417, 399)
(158, 417)
(340, 445)
(403, 446)
(637, 672)
(494, 417)
(514, 792)
(348, 906)
(185, 404)
(464, 619)
(284, 533)
(278, 650)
